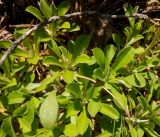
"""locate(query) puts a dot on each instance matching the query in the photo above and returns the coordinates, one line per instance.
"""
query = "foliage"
(54, 90)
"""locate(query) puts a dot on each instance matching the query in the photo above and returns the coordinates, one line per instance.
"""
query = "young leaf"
(93, 107)
(110, 111)
(82, 122)
(110, 52)
(125, 56)
(48, 112)
(134, 39)
(45, 8)
(63, 8)
(68, 76)
(34, 11)
(99, 55)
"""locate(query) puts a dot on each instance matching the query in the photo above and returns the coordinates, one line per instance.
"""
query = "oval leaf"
(68, 76)
(48, 112)
(99, 55)
(82, 122)
(45, 9)
(109, 111)
(51, 60)
(110, 52)
(93, 110)
(34, 11)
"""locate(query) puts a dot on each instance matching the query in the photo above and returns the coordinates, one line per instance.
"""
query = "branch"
(67, 16)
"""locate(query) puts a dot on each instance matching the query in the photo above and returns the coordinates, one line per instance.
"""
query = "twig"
(67, 16)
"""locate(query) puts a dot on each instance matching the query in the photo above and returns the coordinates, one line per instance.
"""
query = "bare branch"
(67, 16)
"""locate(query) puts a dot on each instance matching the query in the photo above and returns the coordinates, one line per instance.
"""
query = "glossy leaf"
(34, 11)
(48, 112)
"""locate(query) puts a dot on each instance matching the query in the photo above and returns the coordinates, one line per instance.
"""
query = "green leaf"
(99, 55)
(82, 122)
(46, 82)
(81, 43)
(15, 97)
(119, 99)
(7, 127)
(117, 39)
(45, 8)
(109, 111)
(134, 39)
(48, 112)
(40, 35)
(21, 53)
(34, 11)
(136, 80)
(73, 108)
(105, 134)
(53, 45)
(133, 131)
(125, 56)
(68, 76)
(27, 119)
(70, 130)
(5, 44)
(110, 52)
(93, 108)
(51, 60)
(74, 89)
(12, 83)
(83, 58)
(63, 8)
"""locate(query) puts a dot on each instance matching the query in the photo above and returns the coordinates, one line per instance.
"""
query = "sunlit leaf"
(82, 122)
(34, 11)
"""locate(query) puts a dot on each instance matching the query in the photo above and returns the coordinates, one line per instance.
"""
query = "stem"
(104, 88)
